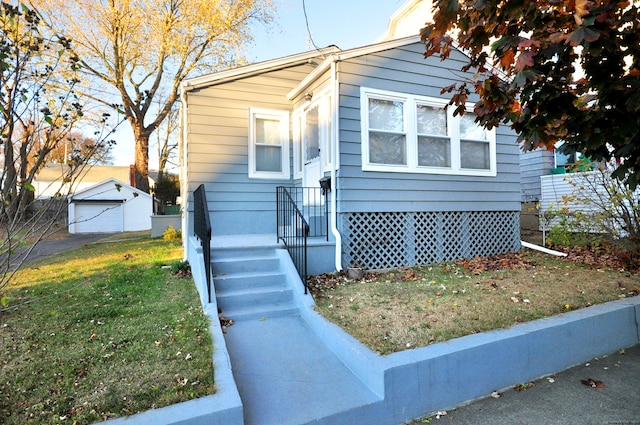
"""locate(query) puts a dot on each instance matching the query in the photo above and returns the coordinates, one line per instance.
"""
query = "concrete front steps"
(249, 283)
(284, 373)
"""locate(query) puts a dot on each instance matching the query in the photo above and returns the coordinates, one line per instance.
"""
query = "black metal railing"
(312, 202)
(202, 230)
(293, 231)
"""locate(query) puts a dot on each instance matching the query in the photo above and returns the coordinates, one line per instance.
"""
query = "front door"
(312, 168)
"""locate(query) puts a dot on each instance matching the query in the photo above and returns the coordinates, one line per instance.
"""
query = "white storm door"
(312, 166)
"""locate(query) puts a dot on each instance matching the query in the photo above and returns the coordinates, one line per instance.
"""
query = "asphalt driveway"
(45, 249)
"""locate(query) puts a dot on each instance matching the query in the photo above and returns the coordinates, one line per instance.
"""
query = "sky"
(344, 23)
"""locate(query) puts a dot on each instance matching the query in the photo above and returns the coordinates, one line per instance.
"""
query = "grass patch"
(102, 332)
(414, 307)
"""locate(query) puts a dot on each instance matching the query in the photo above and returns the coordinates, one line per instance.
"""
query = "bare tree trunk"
(10, 178)
(142, 160)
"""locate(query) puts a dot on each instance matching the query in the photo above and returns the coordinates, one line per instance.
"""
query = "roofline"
(349, 54)
(110, 179)
(256, 68)
(405, 10)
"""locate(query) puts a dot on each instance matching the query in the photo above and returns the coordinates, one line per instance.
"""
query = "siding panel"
(217, 154)
(404, 70)
(534, 165)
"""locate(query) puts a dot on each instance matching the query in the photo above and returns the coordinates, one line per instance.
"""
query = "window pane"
(469, 129)
(386, 115)
(312, 134)
(387, 148)
(268, 131)
(269, 158)
(434, 152)
(474, 155)
(432, 120)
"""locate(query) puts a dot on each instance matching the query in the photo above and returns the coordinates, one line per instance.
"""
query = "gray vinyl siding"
(533, 165)
(405, 70)
(217, 149)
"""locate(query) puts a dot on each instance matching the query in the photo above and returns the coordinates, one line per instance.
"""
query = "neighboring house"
(109, 206)
(542, 162)
(409, 182)
(53, 178)
(407, 20)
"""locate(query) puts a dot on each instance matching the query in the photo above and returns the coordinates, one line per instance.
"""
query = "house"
(543, 162)
(57, 178)
(406, 182)
(109, 206)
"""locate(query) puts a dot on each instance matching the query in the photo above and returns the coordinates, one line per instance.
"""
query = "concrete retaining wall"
(445, 375)
(160, 223)
(424, 380)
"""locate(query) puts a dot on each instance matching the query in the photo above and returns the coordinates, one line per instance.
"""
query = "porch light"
(325, 184)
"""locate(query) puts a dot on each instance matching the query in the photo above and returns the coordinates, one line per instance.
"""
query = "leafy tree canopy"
(141, 50)
(554, 70)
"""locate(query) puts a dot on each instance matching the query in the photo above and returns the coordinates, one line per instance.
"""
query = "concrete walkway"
(287, 376)
(284, 373)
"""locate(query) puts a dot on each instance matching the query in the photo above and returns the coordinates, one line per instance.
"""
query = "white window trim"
(298, 123)
(283, 117)
(453, 129)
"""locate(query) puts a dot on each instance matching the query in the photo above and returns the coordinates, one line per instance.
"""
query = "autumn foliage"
(553, 70)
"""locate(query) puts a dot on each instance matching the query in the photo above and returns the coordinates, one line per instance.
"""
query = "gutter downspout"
(334, 163)
(184, 184)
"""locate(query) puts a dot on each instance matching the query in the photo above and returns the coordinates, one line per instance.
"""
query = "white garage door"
(98, 218)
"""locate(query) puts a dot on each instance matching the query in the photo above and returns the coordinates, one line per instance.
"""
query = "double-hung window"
(416, 134)
(268, 144)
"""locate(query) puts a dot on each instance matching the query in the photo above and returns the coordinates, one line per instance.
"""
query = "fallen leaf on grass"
(593, 383)
(507, 261)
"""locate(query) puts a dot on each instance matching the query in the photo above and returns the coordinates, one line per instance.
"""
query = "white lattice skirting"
(400, 239)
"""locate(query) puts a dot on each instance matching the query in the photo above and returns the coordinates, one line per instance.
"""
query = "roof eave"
(255, 69)
(348, 54)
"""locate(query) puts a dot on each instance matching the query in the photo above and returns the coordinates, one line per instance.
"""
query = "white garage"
(109, 207)
(98, 217)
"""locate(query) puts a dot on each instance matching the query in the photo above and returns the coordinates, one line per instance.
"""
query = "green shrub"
(181, 268)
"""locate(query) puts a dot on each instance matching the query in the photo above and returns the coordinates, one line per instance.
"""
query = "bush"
(600, 209)
(172, 235)
(181, 268)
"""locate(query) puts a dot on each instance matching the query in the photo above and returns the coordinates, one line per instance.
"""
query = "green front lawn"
(104, 331)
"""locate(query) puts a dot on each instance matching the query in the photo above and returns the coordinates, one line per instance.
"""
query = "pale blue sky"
(345, 23)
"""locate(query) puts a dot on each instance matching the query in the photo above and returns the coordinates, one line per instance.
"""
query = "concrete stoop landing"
(282, 363)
